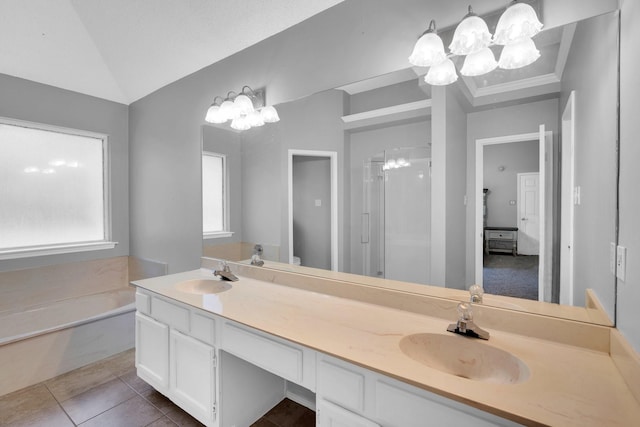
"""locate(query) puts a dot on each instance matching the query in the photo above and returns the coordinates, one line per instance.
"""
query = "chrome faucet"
(465, 325)
(476, 293)
(225, 273)
(256, 257)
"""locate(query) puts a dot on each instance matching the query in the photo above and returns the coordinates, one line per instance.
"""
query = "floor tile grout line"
(79, 424)
(58, 403)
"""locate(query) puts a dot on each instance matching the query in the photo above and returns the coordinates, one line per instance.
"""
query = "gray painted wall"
(448, 188)
(628, 315)
(596, 134)
(517, 157)
(26, 100)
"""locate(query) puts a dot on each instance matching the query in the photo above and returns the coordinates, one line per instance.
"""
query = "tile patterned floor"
(109, 393)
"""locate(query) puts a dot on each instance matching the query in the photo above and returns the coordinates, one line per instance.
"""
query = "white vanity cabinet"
(330, 415)
(359, 397)
(175, 354)
(198, 359)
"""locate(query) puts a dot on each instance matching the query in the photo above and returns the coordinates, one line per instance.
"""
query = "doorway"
(508, 248)
(313, 208)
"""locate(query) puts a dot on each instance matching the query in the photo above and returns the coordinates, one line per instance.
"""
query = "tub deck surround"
(568, 384)
(51, 317)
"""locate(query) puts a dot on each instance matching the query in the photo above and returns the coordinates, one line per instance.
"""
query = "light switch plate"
(318, 202)
(621, 262)
(612, 258)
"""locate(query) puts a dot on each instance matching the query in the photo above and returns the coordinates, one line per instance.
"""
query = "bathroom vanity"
(228, 352)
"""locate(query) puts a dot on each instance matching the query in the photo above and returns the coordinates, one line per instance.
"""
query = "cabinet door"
(330, 415)
(152, 352)
(192, 376)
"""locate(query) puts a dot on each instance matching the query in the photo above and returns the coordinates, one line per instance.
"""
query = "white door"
(529, 213)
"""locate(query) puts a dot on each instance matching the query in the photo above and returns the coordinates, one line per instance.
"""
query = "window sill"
(217, 234)
(55, 249)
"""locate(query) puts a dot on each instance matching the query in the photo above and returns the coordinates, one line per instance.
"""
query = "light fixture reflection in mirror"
(244, 110)
(515, 29)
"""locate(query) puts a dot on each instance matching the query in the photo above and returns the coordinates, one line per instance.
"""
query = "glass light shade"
(214, 115)
(442, 74)
(428, 51)
(243, 104)
(269, 114)
(479, 63)
(471, 35)
(255, 119)
(518, 22)
(227, 110)
(518, 55)
(240, 123)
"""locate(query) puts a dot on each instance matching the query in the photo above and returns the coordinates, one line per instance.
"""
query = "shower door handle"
(364, 233)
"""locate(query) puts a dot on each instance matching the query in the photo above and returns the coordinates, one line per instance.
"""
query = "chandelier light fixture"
(244, 110)
(472, 39)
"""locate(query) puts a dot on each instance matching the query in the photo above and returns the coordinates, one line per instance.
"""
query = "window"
(53, 190)
(214, 196)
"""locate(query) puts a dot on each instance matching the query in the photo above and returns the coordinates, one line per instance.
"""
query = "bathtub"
(54, 319)
(68, 313)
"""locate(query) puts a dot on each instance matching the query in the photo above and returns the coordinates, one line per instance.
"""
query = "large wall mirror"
(507, 179)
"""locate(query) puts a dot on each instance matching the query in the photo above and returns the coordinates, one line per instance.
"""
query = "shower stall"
(396, 215)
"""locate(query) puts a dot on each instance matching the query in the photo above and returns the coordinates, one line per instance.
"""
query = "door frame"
(333, 160)
(567, 200)
(545, 156)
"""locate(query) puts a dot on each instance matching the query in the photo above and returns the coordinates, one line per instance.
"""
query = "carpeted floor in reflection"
(511, 276)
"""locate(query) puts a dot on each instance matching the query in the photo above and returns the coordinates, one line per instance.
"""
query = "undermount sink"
(465, 357)
(203, 286)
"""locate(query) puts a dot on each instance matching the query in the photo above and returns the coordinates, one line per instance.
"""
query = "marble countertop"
(568, 385)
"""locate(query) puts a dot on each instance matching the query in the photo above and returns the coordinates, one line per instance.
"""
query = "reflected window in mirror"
(214, 196)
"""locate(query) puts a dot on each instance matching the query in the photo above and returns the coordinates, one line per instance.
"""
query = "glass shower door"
(397, 215)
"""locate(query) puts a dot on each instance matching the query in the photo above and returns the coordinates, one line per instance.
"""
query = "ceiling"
(123, 50)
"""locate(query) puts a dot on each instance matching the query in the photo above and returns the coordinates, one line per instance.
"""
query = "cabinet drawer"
(203, 328)
(501, 235)
(275, 356)
(400, 405)
(171, 314)
(501, 244)
(340, 385)
(143, 303)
